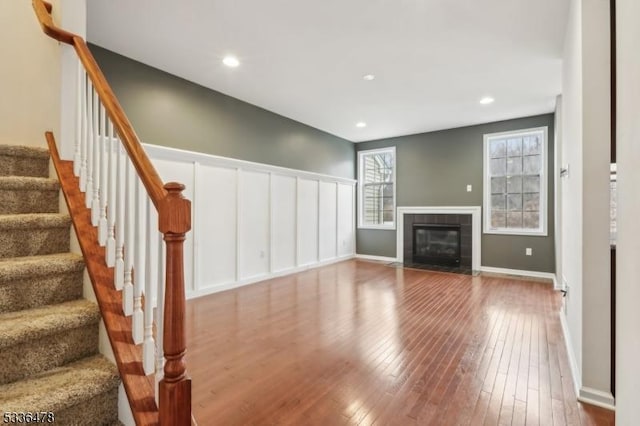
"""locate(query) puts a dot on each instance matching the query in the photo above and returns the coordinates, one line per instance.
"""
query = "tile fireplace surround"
(466, 216)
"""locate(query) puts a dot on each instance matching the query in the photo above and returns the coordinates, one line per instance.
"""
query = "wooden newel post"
(175, 388)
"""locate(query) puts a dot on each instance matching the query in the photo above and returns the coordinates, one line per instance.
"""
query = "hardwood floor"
(361, 343)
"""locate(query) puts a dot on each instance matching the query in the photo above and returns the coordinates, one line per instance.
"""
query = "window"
(515, 182)
(377, 188)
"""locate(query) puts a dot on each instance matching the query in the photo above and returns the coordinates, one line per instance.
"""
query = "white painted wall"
(596, 141)
(571, 185)
(628, 250)
(585, 197)
(29, 77)
(557, 155)
(254, 221)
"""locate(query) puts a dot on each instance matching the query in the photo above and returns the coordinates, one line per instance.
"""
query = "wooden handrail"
(174, 220)
(148, 174)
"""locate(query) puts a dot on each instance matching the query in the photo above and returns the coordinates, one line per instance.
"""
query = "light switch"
(468, 188)
(528, 251)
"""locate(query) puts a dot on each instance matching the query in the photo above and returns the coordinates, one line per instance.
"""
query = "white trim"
(573, 364)
(556, 283)
(204, 291)
(476, 231)
(195, 262)
(173, 154)
(598, 398)
(361, 154)
(376, 258)
(520, 272)
(544, 183)
(585, 394)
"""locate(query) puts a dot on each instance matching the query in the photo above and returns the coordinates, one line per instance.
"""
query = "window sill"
(520, 232)
(379, 227)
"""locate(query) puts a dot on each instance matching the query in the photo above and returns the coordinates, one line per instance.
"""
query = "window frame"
(542, 230)
(361, 155)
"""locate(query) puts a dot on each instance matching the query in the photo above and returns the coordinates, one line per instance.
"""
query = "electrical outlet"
(469, 188)
(528, 251)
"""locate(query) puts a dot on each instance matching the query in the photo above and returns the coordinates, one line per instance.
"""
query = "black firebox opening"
(436, 244)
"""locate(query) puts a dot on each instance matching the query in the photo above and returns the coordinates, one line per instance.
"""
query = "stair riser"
(16, 201)
(41, 354)
(33, 242)
(23, 166)
(100, 410)
(35, 291)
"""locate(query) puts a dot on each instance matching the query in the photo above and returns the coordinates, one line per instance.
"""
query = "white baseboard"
(597, 398)
(205, 291)
(378, 258)
(521, 273)
(573, 364)
(585, 394)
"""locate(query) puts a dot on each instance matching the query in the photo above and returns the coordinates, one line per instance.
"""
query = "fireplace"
(466, 218)
(435, 244)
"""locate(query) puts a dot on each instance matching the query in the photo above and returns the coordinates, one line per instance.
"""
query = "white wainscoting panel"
(328, 220)
(218, 205)
(346, 220)
(183, 172)
(253, 221)
(307, 222)
(283, 220)
(254, 227)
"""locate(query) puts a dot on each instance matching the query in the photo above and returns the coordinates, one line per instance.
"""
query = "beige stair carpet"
(49, 359)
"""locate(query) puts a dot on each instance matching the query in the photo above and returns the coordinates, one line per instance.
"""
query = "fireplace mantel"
(474, 211)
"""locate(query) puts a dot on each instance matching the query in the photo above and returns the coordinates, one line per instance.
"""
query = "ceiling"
(433, 60)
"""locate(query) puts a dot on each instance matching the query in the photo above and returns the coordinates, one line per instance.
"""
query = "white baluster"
(95, 195)
(104, 184)
(160, 314)
(88, 193)
(148, 347)
(113, 147)
(84, 121)
(138, 262)
(129, 244)
(119, 222)
(77, 156)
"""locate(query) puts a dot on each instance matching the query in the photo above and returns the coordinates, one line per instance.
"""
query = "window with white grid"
(377, 188)
(515, 182)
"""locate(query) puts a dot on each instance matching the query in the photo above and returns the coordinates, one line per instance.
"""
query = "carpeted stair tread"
(34, 220)
(32, 324)
(33, 281)
(63, 387)
(28, 182)
(34, 234)
(24, 267)
(24, 151)
(26, 194)
(18, 160)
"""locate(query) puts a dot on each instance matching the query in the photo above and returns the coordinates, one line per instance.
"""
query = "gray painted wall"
(434, 169)
(167, 110)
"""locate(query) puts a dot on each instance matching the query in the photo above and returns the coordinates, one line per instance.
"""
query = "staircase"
(49, 360)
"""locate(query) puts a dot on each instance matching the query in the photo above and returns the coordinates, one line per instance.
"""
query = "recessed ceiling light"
(368, 77)
(361, 124)
(231, 61)
(487, 100)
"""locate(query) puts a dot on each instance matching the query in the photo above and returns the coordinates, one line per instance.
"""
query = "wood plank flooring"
(362, 343)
